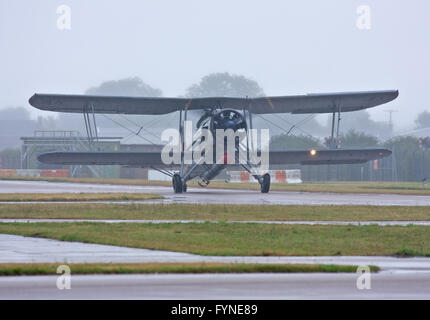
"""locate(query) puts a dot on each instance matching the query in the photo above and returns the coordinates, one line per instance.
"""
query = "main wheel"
(177, 183)
(265, 186)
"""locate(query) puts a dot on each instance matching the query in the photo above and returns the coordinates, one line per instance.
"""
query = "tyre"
(177, 183)
(265, 186)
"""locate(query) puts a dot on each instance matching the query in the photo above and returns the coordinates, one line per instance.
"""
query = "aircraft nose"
(230, 124)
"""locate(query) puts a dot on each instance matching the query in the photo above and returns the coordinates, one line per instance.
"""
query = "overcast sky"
(289, 47)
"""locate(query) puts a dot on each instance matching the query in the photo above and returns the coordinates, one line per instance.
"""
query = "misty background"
(225, 48)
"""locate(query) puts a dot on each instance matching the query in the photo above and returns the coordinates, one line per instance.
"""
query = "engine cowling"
(228, 119)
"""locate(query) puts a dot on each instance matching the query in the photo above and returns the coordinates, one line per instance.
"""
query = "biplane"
(217, 113)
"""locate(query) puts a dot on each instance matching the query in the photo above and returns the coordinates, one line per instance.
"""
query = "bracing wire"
(293, 126)
(131, 131)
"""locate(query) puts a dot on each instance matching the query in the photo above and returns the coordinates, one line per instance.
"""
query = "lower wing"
(316, 157)
(147, 159)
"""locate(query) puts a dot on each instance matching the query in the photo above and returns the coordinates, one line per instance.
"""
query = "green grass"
(412, 188)
(225, 239)
(212, 212)
(143, 268)
(18, 197)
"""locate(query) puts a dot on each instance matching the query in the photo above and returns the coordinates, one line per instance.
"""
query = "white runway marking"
(333, 223)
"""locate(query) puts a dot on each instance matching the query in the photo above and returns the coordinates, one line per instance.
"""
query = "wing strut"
(332, 142)
(167, 173)
(91, 132)
(263, 180)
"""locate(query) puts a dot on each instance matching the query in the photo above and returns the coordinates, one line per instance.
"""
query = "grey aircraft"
(216, 113)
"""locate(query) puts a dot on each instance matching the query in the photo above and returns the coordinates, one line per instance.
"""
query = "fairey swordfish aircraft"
(218, 113)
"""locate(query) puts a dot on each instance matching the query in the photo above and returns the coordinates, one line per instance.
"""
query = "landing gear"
(263, 180)
(265, 184)
(177, 183)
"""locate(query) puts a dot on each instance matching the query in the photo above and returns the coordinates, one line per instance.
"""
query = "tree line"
(408, 162)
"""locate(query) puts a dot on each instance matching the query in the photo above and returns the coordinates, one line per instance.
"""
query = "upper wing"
(344, 156)
(311, 103)
(323, 103)
(128, 105)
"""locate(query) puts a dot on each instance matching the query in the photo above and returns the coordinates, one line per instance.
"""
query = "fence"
(277, 176)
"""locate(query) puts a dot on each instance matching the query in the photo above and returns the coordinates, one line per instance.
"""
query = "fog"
(288, 47)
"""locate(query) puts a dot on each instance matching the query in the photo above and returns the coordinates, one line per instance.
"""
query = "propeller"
(228, 119)
(204, 119)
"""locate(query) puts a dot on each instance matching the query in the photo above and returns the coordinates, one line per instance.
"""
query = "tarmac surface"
(400, 278)
(19, 249)
(201, 195)
(383, 285)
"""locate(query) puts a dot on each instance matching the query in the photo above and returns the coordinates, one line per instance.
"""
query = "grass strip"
(240, 239)
(195, 268)
(18, 197)
(212, 212)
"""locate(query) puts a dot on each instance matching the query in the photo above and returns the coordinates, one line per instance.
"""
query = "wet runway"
(18, 249)
(384, 285)
(200, 195)
(401, 278)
